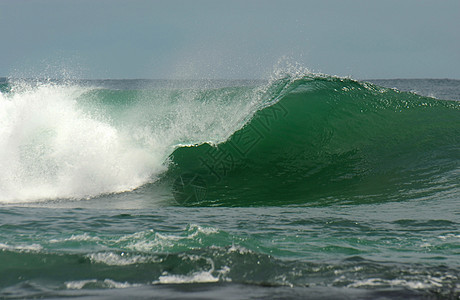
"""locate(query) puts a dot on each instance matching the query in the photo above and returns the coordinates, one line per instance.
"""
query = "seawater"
(301, 186)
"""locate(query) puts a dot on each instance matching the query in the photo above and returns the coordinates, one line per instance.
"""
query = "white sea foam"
(77, 237)
(149, 240)
(120, 259)
(51, 148)
(197, 229)
(78, 284)
(106, 283)
(32, 247)
(449, 236)
(198, 277)
(210, 275)
(426, 283)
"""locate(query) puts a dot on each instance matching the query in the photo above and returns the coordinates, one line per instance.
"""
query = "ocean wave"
(300, 138)
(326, 138)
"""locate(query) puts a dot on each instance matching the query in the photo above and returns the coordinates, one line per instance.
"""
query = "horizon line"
(228, 79)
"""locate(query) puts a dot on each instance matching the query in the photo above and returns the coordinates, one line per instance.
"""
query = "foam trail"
(51, 148)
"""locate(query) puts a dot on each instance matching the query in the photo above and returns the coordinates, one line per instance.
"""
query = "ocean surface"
(301, 186)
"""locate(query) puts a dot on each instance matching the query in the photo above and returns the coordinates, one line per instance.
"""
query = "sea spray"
(50, 148)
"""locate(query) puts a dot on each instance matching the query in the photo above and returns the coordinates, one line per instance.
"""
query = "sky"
(232, 39)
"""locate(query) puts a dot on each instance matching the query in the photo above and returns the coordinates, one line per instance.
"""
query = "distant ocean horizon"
(298, 186)
(416, 85)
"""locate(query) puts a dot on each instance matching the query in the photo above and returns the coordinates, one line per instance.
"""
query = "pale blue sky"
(229, 39)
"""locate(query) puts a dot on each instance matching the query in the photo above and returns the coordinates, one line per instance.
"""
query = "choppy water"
(305, 185)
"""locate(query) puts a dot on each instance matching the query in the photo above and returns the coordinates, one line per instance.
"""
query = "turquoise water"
(301, 186)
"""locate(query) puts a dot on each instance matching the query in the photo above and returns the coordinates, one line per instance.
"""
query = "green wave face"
(296, 140)
(326, 140)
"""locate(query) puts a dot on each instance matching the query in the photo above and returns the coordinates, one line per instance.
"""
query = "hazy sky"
(364, 39)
